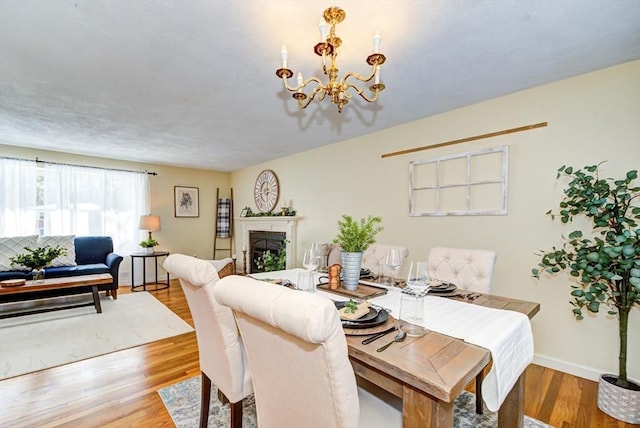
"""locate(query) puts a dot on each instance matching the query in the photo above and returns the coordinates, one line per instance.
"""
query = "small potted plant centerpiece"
(37, 259)
(354, 237)
(148, 245)
(605, 265)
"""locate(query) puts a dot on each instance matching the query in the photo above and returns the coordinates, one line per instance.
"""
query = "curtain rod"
(81, 166)
(467, 139)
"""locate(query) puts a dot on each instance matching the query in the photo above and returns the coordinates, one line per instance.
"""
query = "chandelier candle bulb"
(300, 81)
(285, 55)
(376, 43)
(323, 30)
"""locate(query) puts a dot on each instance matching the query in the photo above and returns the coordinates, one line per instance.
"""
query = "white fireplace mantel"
(286, 224)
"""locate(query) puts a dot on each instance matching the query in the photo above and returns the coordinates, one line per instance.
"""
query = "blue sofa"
(94, 254)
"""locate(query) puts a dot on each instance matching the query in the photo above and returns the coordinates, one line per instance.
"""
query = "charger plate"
(390, 322)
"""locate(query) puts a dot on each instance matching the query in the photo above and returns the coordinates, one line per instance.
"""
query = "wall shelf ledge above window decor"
(471, 183)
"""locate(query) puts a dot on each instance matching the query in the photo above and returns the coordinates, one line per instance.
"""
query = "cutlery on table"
(378, 335)
(398, 338)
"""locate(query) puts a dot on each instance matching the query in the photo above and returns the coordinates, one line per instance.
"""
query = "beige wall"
(591, 118)
(193, 236)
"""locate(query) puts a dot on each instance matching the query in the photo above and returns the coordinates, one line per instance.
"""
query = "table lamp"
(150, 223)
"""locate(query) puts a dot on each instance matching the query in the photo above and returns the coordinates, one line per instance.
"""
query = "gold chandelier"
(336, 89)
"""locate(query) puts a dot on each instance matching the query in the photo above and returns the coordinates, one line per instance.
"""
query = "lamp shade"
(149, 222)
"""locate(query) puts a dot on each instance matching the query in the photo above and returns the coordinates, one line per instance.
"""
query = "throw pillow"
(13, 246)
(65, 241)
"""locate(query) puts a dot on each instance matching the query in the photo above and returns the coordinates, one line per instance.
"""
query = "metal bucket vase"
(620, 403)
(351, 263)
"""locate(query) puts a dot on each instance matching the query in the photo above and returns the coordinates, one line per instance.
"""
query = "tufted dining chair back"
(299, 360)
(469, 269)
(222, 356)
(374, 257)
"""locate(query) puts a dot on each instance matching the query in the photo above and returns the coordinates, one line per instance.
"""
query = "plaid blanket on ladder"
(223, 228)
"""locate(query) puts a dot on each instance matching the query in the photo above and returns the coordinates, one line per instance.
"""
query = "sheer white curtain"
(18, 197)
(92, 201)
(54, 199)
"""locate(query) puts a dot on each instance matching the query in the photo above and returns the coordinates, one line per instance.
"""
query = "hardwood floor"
(119, 389)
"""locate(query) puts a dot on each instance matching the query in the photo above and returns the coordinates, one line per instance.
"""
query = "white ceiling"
(192, 83)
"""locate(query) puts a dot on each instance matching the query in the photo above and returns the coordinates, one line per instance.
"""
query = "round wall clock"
(266, 191)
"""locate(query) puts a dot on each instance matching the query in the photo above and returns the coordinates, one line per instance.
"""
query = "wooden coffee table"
(27, 291)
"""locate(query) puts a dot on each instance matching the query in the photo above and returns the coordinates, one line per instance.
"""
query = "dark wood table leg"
(511, 413)
(96, 298)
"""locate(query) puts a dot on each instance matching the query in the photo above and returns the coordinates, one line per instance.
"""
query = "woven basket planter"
(620, 403)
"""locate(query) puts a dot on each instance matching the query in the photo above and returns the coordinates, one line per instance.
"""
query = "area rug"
(36, 342)
(182, 400)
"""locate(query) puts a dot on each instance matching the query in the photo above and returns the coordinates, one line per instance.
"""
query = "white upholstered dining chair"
(299, 360)
(222, 357)
(469, 270)
(374, 257)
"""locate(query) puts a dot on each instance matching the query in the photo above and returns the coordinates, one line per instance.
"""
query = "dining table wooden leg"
(420, 411)
(511, 413)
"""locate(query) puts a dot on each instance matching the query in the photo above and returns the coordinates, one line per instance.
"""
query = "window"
(472, 183)
(55, 199)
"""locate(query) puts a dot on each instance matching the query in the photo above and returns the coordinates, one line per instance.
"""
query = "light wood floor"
(119, 389)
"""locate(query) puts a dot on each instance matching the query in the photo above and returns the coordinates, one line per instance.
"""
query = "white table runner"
(507, 334)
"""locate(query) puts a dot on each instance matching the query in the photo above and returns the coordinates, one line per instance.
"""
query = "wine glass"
(310, 260)
(393, 263)
(418, 277)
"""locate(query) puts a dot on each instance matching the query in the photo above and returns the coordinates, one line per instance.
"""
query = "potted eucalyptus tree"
(354, 237)
(604, 264)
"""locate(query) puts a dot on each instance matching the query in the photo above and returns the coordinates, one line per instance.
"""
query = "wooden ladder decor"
(229, 247)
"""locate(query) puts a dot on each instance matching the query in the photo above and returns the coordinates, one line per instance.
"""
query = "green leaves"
(603, 263)
(356, 236)
(38, 257)
(351, 306)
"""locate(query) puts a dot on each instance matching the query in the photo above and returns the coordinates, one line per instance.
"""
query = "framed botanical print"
(186, 201)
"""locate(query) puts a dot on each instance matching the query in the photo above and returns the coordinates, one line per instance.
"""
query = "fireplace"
(268, 233)
(261, 241)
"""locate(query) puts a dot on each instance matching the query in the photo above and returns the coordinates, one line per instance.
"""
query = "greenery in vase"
(356, 236)
(38, 258)
(148, 243)
(605, 263)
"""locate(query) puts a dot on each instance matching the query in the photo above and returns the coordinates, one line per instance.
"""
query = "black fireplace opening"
(262, 241)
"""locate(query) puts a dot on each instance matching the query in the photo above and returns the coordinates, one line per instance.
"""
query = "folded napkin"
(507, 334)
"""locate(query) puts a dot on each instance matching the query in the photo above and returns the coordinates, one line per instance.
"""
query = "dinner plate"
(439, 289)
(380, 317)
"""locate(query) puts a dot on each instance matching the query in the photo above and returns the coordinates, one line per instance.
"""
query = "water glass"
(411, 318)
(418, 277)
(305, 281)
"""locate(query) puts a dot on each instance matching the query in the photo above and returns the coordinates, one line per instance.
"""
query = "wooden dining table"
(429, 372)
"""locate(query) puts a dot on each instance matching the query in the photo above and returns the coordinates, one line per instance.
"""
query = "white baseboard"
(566, 367)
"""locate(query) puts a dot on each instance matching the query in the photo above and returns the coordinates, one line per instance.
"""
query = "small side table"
(144, 257)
